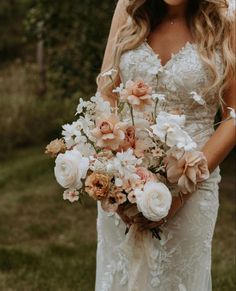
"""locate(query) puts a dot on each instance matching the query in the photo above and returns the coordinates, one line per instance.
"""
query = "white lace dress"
(181, 261)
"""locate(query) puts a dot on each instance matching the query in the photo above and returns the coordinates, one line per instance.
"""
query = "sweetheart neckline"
(173, 55)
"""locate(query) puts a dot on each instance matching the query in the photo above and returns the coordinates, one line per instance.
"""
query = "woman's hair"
(210, 25)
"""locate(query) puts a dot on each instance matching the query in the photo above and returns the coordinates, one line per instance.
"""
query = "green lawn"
(48, 244)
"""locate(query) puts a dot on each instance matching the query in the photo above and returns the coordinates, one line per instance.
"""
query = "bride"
(191, 44)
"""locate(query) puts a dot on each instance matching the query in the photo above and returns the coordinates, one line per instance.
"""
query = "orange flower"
(55, 147)
(138, 95)
(97, 185)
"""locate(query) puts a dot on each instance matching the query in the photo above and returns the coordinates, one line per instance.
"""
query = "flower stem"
(132, 114)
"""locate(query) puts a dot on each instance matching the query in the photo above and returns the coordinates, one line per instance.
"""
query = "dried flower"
(97, 185)
(55, 147)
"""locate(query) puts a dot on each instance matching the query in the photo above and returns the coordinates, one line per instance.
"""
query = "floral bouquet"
(127, 155)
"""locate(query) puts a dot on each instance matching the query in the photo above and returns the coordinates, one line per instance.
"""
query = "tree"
(74, 33)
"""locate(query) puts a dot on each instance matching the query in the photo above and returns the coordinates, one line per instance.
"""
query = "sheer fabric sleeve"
(119, 19)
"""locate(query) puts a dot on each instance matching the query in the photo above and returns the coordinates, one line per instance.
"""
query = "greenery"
(74, 33)
(25, 118)
(49, 244)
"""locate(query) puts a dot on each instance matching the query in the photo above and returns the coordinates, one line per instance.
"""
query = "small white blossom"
(101, 106)
(109, 73)
(81, 106)
(71, 194)
(125, 164)
(197, 98)
(160, 97)
(70, 132)
(232, 113)
(118, 89)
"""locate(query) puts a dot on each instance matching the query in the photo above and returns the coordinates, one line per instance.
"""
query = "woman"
(191, 44)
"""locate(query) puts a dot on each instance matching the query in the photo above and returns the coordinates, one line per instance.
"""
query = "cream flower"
(109, 132)
(168, 130)
(132, 197)
(125, 164)
(70, 169)
(71, 194)
(186, 169)
(197, 98)
(97, 185)
(154, 201)
(55, 147)
(138, 95)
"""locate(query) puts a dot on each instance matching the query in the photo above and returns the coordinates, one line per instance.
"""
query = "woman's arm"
(223, 139)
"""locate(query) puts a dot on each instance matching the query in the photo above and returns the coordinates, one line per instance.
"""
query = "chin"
(175, 2)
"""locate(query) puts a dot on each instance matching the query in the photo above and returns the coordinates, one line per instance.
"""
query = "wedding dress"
(181, 260)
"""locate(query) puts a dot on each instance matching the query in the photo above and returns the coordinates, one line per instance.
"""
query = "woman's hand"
(121, 212)
(144, 224)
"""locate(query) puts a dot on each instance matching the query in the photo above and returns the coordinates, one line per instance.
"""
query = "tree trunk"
(41, 68)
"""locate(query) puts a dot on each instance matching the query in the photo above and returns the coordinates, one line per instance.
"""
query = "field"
(49, 245)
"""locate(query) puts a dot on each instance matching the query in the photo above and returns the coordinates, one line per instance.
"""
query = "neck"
(174, 12)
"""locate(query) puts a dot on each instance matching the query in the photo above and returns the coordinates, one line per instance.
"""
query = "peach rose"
(187, 169)
(97, 185)
(138, 95)
(129, 140)
(55, 147)
(109, 132)
(145, 175)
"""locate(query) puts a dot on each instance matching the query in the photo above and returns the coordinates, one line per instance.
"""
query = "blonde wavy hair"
(211, 27)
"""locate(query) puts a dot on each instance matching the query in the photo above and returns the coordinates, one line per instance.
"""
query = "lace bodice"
(183, 74)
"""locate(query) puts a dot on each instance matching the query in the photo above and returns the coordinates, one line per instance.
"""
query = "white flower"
(176, 136)
(70, 132)
(125, 163)
(198, 98)
(101, 106)
(168, 129)
(165, 122)
(109, 73)
(119, 88)
(154, 201)
(70, 168)
(160, 97)
(71, 194)
(85, 148)
(81, 106)
(232, 113)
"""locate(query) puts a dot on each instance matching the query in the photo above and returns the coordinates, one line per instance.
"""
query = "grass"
(47, 244)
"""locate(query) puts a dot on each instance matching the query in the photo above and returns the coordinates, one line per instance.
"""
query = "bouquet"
(127, 155)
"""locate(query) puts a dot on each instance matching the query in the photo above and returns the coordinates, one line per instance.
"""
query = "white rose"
(154, 201)
(70, 168)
